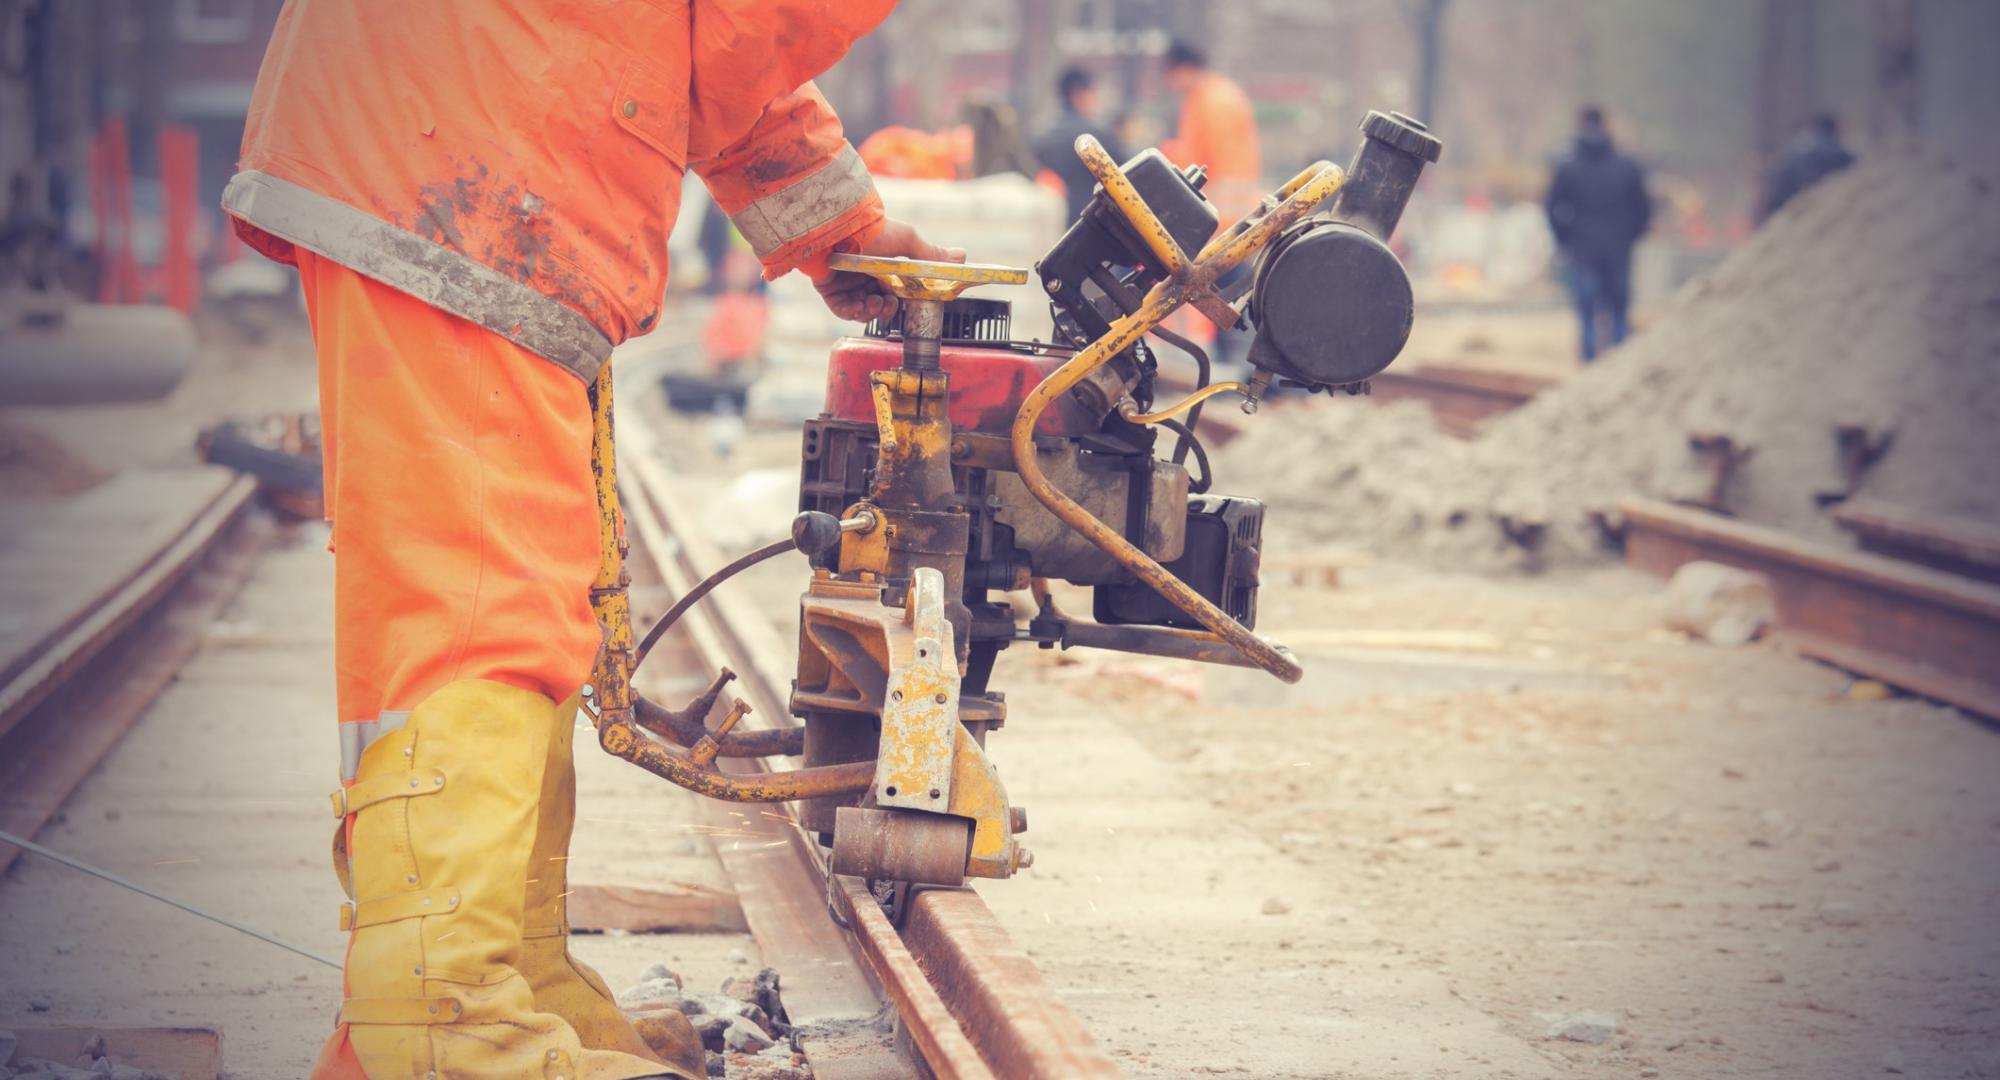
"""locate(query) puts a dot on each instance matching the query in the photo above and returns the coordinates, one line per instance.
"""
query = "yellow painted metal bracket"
(923, 279)
(609, 700)
(1186, 282)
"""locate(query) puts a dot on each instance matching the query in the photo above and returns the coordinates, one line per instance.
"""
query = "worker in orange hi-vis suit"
(1217, 130)
(477, 195)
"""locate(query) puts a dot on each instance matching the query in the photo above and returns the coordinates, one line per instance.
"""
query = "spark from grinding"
(454, 933)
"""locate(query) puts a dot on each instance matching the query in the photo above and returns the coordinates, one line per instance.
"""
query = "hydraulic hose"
(703, 588)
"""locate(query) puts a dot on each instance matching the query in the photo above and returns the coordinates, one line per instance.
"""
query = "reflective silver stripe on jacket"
(431, 272)
(783, 216)
(360, 735)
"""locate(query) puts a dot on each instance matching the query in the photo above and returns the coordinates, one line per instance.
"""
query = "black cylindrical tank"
(1331, 303)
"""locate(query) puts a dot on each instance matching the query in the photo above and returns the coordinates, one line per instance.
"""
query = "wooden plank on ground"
(676, 909)
(184, 1053)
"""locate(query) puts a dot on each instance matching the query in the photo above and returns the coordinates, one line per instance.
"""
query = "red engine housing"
(988, 384)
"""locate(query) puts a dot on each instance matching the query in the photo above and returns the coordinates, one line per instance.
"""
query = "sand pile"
(1873, 300)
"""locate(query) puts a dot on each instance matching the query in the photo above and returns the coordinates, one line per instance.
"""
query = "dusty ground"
(1517, 799)
(1757, 876)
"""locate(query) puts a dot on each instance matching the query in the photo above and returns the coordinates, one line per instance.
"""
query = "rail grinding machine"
(952, 464)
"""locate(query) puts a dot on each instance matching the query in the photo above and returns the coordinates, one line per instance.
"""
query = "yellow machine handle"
(1187, 281)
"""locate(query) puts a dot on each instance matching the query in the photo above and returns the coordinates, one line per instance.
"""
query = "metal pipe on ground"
(84, 354)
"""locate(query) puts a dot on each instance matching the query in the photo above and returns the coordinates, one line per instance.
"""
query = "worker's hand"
(861, 298)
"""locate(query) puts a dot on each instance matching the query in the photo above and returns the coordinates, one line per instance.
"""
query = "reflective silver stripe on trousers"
(783, 216)
(360, 735)
(431, 272)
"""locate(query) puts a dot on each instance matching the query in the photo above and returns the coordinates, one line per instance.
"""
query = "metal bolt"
(426, 902)
(451, 899)
(589, 690)
(896, 695)
(940, 699)
(408, 750)
(552, 1055)
(631, 109)
(412, 879)
(417, 971)
(936, 794)
(413, 782)
(437, 781)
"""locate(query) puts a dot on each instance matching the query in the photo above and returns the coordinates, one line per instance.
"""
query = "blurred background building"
(1707, 93)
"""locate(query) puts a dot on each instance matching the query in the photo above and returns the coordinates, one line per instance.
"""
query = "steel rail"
(113, 611)
(1924, 630)
(970, 1003)
(75, 699)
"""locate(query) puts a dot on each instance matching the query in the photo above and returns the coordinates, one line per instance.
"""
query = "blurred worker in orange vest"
(477, 195)
(1217, 130)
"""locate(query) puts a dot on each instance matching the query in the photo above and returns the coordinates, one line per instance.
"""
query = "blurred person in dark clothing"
(1815, 155)
(1055, 147)
(1598, 209)
(31, 237)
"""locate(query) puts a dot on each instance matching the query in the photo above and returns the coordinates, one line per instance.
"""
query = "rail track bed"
(1490, 804)
(968, 1003)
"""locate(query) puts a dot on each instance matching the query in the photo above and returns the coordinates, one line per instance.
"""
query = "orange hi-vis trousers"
(459, 489)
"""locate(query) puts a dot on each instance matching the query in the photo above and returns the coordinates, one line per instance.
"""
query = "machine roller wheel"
(901, 845)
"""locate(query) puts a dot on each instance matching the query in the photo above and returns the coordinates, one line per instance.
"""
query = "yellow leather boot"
(442, 822)
(562, 984)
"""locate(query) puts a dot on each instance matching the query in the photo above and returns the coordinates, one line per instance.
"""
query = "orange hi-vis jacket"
(1219, 130)
(518, 163)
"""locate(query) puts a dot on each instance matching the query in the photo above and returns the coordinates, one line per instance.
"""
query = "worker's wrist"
(853, 231)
